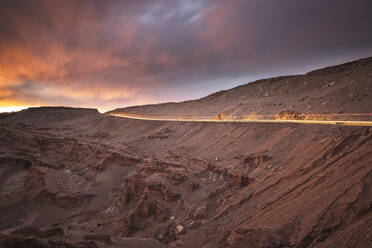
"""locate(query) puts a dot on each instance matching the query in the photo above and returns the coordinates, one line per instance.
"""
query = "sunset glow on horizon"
(12, 109)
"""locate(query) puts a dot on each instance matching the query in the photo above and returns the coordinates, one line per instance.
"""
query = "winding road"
(178, 119)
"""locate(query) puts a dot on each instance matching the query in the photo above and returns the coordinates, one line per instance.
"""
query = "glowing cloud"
(108, 54)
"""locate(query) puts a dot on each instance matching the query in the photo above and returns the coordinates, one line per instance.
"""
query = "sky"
(107, 54)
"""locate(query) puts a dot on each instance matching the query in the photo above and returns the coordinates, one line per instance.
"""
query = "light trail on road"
(178, 119)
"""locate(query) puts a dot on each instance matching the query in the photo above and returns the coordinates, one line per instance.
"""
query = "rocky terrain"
(77, 178)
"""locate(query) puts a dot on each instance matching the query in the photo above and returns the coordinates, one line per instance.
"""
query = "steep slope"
(340, 89)
(77, 178)
(100, 181)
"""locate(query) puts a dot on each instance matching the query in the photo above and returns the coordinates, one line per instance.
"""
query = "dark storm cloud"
(114, 53)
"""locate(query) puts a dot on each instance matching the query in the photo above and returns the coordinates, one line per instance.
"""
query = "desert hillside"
(77, 178)
(344, 89)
